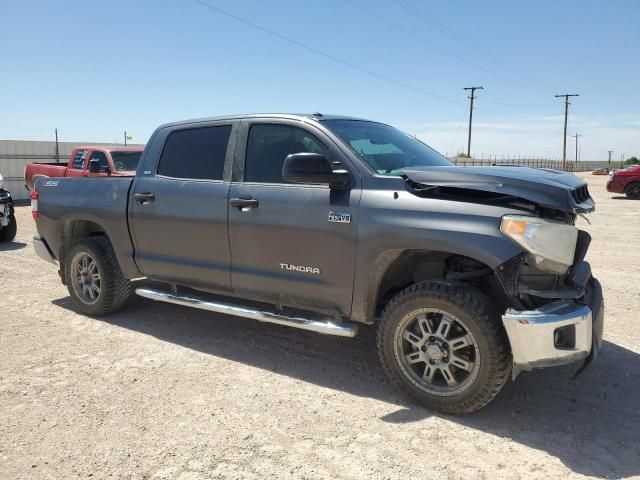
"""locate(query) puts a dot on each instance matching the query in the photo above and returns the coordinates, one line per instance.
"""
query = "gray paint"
(102, 200)
(190, 235)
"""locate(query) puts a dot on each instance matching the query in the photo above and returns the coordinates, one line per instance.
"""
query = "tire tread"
(472, 300)
(115, 287)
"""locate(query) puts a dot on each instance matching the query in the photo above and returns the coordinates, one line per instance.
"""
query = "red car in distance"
(626, 181)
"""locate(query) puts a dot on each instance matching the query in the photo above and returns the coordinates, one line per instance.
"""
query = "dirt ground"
(163, 392)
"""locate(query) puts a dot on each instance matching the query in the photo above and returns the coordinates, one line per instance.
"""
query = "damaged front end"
(555, 308)
(554, 319)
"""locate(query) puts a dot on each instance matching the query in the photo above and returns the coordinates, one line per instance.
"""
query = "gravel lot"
(159, 391)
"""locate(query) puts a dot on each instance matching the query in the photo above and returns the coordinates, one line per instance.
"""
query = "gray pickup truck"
(325, 222)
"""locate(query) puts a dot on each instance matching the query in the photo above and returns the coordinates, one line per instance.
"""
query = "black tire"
(114, 289)
(632, 191)
(8, 233)
(490, 350)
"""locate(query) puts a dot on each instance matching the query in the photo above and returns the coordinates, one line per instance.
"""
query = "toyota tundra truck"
(470, 274)
(87, 161)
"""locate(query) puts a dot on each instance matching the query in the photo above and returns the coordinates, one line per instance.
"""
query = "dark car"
(8, 224)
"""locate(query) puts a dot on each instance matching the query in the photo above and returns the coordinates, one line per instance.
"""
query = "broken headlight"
(551, 245)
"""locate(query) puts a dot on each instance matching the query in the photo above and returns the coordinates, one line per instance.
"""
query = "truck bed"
(103, 200)
(45, 169)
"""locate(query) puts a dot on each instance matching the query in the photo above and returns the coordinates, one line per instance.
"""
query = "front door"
(179, 211)
(287, 245)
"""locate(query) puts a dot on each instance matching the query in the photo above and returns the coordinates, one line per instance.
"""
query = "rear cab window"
(195, 153)
(126, 161)
(101, 157)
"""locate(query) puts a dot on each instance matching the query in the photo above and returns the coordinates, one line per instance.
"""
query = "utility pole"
(566, 113)
(576, 137)
(609, 152)
(472, 97)
(125, 138)
(57, 148)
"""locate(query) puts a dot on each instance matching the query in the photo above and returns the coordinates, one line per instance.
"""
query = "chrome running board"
(311, 322)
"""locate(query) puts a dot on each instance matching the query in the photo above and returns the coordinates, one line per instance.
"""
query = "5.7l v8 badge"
(337, 217)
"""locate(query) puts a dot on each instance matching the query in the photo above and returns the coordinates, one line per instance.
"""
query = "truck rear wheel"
(8, 233)
(94, 280)
(440, 344)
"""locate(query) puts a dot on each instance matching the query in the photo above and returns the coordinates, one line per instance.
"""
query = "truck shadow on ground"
(591, 424)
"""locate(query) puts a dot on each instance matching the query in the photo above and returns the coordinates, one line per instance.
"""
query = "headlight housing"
(552, 245)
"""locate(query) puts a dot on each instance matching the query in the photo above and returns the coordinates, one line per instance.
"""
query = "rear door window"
(196, 153)
(78, 159)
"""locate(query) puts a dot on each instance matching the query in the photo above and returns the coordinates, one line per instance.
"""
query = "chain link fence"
(570, 166)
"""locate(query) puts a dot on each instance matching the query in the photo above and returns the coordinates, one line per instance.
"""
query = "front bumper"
(614, 185)
(558, 333)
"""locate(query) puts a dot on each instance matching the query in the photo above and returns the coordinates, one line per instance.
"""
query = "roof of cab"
(111, 148)
(290, 116)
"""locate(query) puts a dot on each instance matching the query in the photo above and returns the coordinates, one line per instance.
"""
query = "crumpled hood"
(547, 188)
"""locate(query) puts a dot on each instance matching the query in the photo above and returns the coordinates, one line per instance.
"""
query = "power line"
(418, 37)
(429, 20)
(324, 54)
(445, 52)
(518, 105)
(472, 98)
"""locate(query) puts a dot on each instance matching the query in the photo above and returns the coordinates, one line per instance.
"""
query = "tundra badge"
(300, 268)
(336, 217)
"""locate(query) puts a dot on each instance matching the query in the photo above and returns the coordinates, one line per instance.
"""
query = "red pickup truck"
(117, 161)
(626, 181)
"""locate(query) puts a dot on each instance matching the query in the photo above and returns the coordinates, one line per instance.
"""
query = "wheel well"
(74, 230)
(631, 184)
(413, 266)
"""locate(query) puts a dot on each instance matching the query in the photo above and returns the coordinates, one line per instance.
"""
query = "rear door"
(179, 209)
(286, 246)
(79, 163)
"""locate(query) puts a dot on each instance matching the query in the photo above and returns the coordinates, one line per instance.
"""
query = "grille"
(580, 194)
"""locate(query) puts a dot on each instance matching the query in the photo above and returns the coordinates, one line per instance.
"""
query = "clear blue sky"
(96, 68)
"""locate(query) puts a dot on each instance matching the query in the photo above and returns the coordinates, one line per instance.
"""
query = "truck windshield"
(125, 161)
(386, 149)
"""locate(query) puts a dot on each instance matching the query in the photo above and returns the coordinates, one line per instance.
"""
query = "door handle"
(145, 197)
(244, 203)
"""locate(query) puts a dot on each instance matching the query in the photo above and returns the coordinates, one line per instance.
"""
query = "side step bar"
(311, 322)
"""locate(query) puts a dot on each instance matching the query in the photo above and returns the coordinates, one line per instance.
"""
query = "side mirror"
(94, 166)
(313, 168)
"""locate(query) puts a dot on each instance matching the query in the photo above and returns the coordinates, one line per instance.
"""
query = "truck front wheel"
(441, 345)
(94, 280)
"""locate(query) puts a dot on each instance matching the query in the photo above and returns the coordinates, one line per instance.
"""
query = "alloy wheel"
(437, 352)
